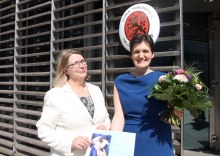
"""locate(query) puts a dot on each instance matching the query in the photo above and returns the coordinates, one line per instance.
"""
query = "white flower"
(162, 78)
(198, 86)
(181, 78)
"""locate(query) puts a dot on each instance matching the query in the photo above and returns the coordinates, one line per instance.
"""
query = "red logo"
(138, 19)
(136, 23)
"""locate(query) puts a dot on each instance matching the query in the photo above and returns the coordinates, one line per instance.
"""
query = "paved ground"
(199, 153)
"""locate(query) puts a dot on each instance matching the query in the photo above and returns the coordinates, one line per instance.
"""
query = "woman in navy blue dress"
(134, 111)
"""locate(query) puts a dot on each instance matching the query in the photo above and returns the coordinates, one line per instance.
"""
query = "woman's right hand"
(81, 143)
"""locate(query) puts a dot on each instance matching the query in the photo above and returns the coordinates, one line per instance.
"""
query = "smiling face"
(77, 67)
(142, 55)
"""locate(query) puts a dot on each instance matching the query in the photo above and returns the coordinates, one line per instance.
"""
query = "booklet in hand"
(111, 143)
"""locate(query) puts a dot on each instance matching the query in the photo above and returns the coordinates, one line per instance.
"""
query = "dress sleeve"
(46, 125)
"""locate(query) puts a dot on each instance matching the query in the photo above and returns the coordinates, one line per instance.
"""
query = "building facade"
(33, 32)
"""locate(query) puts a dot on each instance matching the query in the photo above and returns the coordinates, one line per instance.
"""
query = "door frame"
(214, 57)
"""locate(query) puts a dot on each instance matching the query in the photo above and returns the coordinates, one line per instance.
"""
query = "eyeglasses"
(77, 63)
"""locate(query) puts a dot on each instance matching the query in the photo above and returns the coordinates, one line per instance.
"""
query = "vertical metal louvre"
(7, 25)
(32, 72)
(33, 33)
(78, 24)
(167, 46)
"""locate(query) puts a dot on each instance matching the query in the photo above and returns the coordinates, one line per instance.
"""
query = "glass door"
(196, 51)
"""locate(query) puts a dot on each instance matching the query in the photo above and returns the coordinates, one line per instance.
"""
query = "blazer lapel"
(75, 101)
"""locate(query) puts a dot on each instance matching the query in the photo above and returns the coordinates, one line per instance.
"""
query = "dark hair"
(141, 38)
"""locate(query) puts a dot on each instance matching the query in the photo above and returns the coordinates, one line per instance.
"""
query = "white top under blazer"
(65, 117)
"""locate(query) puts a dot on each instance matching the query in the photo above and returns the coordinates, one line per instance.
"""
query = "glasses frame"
(77, 64)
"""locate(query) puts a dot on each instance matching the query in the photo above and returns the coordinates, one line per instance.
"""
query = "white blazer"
(65, 117)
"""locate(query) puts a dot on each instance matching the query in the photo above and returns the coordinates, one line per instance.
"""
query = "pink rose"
(162, 78)
(198, 86)
(181, 78)
(180, 71)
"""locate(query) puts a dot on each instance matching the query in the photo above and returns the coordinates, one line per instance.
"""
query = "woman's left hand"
(101, 127)
(178, 113)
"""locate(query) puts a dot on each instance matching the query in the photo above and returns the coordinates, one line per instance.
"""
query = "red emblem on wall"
(138, 19)
(136, 23)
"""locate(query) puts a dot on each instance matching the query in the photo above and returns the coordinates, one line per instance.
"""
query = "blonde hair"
(62, 61)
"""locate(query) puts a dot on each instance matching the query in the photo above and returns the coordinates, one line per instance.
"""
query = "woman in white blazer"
(72, 109)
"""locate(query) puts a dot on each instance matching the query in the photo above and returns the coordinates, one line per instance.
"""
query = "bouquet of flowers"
(182, 89)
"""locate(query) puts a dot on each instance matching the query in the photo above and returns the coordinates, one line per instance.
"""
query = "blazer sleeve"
(46, 125)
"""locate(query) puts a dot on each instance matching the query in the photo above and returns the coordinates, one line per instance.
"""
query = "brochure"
(111, 143)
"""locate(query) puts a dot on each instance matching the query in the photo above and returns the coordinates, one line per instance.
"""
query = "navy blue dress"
(153, 136)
